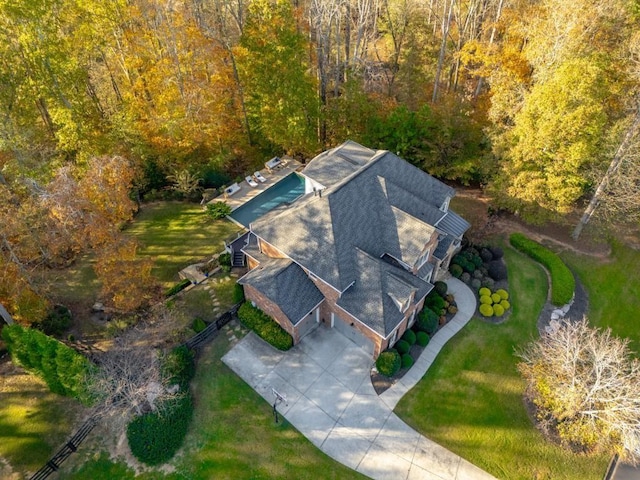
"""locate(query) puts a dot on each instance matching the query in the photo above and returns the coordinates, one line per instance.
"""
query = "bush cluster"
(427, 321)
(563, 283)
(410, 337)
(63, 369)
(422, 339)
(264, 326)
(388, 363)
(178, 287)
(493, 303)
(217, 210)
(402, 347)
(56, 322)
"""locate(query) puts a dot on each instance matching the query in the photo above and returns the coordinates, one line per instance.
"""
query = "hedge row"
(264, 326)
(178, 287)
(563, 283)
(155, 437)
(63, 369)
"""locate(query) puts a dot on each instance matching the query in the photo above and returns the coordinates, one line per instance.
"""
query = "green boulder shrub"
(498, 311)
(486, 310)
(497, 270)
(264, 326)
(465, 277)
(427, 321)
(484, 292)
(422, 339)
(388, 363)
(198, 325)
(488, 282)
(496, 298)
(440, 288)
(505, 304)
(504, 295)
(407, 361)
(486, 300)
(455, 270)
(496, 252)
(402, 347)
(434, 301)
(486, 255)
(475, 284)
(410, 337)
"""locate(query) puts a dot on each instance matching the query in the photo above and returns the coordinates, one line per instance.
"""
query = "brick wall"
(269, 250)
(271, 309)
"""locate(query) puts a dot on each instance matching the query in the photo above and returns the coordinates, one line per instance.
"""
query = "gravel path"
(578, 309)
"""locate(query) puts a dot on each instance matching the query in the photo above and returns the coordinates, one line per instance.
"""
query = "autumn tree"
(585, 385)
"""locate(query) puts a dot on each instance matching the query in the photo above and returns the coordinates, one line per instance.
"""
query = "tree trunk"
(443, 49)
(613, 167)
(6, 316)
(478, 89)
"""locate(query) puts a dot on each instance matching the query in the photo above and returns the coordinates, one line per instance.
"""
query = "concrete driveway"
(330, 400)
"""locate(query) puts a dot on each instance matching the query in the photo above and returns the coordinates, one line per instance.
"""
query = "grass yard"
(470, 401)
(34, 422)
(177, 234)
(232, 436)
(613, 286)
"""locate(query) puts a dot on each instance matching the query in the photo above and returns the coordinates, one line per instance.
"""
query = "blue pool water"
(285, 191)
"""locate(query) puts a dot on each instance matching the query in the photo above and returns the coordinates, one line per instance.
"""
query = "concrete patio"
(331, 401)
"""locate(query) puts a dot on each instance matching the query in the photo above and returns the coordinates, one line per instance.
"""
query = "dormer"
(445, 205)
(400, 292)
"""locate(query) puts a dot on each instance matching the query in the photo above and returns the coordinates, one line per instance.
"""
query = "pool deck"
(248, 192)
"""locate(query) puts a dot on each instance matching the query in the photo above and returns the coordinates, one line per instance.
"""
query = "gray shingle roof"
(333, 165)
(443, 245)
(286, 284)
(377, 281)
(453, 224)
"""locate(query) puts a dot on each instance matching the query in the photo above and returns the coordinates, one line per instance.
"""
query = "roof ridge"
(378, 155)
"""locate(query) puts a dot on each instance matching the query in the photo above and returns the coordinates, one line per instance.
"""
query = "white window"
(445, 204)
(412, 319)
(422, 259)
(393, 338)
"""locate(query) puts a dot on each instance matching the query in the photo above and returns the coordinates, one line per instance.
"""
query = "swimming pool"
(285, 191)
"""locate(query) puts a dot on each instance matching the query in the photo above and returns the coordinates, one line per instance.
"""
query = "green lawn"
(177, 234)
(33, 421)
(613, 286)
(233, 436)
(470, 401)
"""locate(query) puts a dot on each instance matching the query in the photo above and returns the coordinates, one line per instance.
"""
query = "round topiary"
(488, 282)
(484, 291)
(496, 298)
(505, 304)
(407, 361)
(440, 287)
(478, 274)
(452, 309)
(486, 255)
(409, 337)
(498, 311)
(475, 283)
(477, 261)
(456, 270)
(402, 347)
(198, 325)
(503, 293)
(465, 277)
(486, 300)
(422, 339)
(497, 270)
(496, 252)
(486, 310)
(388, 363)
(427, 321)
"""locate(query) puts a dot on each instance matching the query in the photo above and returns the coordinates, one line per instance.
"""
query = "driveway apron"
(331, 401)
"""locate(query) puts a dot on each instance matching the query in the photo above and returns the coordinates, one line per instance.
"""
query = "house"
(358, 252)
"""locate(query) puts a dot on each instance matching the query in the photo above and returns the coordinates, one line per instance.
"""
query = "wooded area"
(102, 102)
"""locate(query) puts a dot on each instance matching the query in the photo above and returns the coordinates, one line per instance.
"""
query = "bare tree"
(586, 386)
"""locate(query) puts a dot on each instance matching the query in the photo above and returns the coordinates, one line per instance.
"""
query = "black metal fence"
(65, 452)
(212, 329)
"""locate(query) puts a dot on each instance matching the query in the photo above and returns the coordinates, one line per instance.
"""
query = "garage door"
(352, 334)
(308, 324)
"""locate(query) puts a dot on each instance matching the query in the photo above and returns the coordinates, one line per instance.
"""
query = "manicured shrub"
(434, 301)
(486, 310)
(224, 259)
(497, 270)
(217, 210)
(488, 282)
(455, 270)
(496, 298)
(178, 287)
(155, 437)
(505, 304)
(402, 347)
(563, 283)
(477, 274)
(407, 361)
(486, 300)
(465, 277)
(238, 293)
(427, 321)
(422, 339)
(486, 255)
(468, 267)
(198, 325)
(504, 295)
(388, 363)
(475, 284)
(496, 252)
(498, 311)
(440, 288)
(477, 261)
(484, 291)
(264, 326)
(410, 337)
(452, 309)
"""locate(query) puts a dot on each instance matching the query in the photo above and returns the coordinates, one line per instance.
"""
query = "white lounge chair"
(259, 176)
(272, 164)
(251, 181)
(231, 189)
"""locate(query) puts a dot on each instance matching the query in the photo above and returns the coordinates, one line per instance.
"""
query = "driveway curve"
(331, 401)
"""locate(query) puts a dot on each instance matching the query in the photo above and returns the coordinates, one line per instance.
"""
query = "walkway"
(330, 400)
